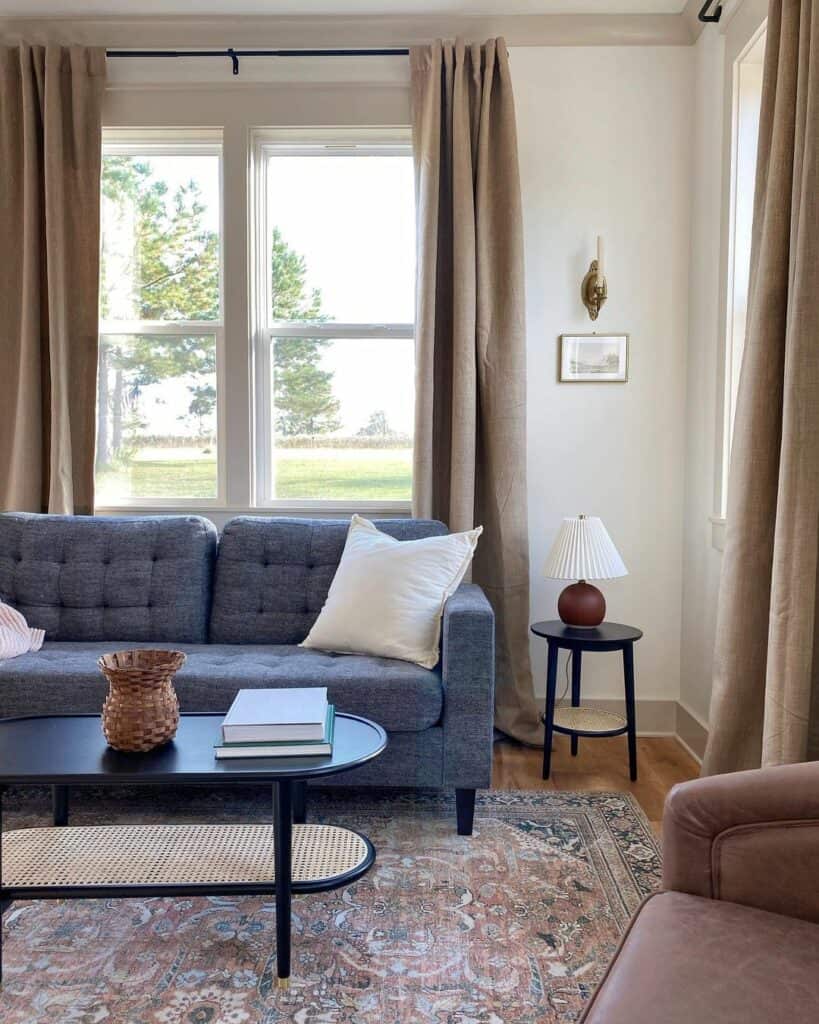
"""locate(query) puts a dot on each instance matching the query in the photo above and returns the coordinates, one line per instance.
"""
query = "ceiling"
(138, 8)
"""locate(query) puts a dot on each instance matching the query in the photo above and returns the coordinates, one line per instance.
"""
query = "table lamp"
(583, 551)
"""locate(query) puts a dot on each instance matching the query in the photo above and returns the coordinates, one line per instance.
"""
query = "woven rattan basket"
(141, 710)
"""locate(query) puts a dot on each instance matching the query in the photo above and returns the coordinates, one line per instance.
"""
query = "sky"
(353, 220)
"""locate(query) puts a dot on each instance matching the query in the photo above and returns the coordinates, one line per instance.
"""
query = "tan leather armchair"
(733, 938)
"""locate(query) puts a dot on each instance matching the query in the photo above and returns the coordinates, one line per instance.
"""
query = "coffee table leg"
(59, 804)
(283, 821)
(299, 803)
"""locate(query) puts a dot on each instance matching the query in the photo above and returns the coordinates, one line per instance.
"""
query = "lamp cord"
(562, 697)
(566, 687)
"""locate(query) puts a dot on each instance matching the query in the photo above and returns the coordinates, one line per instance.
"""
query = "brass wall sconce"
(594, 290)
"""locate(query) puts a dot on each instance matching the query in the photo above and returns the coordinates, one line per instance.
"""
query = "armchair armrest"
(468, 676)
(748, 837)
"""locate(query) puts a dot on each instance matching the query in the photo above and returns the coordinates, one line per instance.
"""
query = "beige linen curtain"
(50, 152)
(765, 703)
(470, 424)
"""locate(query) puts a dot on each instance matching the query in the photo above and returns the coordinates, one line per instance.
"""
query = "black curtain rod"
(714, 16)
(234, 55)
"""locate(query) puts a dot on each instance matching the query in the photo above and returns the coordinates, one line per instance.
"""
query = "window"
(747, 99)
(334, 229)
(160, 320)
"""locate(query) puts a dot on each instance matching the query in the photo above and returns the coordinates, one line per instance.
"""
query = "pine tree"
(302, 392)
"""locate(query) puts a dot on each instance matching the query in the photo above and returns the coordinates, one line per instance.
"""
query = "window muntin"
(335, 229)
(158, 407)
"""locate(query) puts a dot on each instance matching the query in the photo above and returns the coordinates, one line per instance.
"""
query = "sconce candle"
(594, 289)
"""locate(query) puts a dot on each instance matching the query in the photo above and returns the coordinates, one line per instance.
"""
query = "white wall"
(604, 137)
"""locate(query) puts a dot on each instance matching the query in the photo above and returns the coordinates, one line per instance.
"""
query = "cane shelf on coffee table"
(104, 861)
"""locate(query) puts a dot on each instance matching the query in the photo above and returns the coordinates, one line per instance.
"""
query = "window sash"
(149, 142)
(267, 144)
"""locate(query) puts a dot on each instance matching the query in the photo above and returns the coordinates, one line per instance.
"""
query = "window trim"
(354, 142)
(738, 49)
(178, 142)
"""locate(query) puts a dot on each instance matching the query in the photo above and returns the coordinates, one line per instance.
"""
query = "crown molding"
(170, 32)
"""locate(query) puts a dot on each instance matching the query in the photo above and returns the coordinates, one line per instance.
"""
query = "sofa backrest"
(104, 578)
(272, 575)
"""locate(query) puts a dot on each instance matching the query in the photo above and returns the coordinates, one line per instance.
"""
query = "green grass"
(385, 474)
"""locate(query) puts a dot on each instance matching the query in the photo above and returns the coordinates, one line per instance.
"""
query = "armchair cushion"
(686, 959)
(749, 837)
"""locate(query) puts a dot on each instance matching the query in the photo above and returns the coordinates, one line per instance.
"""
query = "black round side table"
(608, 636)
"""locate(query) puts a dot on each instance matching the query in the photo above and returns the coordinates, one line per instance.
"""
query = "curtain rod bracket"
(233, 59)
(706, 17)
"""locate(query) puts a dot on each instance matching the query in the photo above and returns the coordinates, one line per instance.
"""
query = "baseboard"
(691, 732)
(661, 718)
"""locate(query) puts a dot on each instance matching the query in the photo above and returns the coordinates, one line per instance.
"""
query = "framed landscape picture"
(598, 358)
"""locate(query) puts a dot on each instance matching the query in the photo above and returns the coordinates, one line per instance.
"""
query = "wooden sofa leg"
(465, 810)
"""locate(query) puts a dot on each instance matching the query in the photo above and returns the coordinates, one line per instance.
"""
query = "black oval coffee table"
(104, 861)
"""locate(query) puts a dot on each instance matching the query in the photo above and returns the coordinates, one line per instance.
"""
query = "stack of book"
(295, 722)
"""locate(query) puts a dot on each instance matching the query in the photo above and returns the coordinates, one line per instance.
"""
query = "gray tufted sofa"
(239, 606)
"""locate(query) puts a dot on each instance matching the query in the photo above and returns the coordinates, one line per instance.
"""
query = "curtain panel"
(50, 156)
(470, 422)
(765, 700)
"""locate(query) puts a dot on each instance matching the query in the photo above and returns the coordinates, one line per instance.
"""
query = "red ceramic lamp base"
(581, 605)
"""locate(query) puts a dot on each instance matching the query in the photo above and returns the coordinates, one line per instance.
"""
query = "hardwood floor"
(601, 764)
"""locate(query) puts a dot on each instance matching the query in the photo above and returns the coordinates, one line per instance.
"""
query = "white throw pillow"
(387, 596)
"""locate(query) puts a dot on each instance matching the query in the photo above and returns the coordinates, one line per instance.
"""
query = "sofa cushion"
(89, 578)
(63, 678)
(273, 574)
(686, 958)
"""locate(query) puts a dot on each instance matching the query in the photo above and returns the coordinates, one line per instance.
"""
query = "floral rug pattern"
(513, 925)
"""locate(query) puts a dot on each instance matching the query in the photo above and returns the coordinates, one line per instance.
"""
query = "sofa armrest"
(468, 676)
(747, 837)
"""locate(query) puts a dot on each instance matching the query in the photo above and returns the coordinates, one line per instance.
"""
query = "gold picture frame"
(593, 358)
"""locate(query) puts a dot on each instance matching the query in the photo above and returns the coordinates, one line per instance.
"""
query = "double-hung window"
(158, 397)
(333, 223)
(747, 101)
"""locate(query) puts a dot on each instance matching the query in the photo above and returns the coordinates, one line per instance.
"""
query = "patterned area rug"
(511, 926)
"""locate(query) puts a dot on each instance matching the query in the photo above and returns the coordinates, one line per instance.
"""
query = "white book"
(296, 713)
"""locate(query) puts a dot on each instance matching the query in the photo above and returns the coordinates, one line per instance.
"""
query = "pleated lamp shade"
(583, 550)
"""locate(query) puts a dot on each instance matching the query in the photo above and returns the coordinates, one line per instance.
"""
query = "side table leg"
(551, 689)
(299, 802)
(59, 804)
(576, 664)
(283, 821)
(631, 717)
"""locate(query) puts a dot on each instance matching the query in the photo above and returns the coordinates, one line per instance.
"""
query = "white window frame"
(355, 142)
(177, 142)
(732, 343)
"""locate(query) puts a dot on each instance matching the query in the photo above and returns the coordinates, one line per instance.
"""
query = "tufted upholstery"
(272, 575)
(63, 678)
(85, 578)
